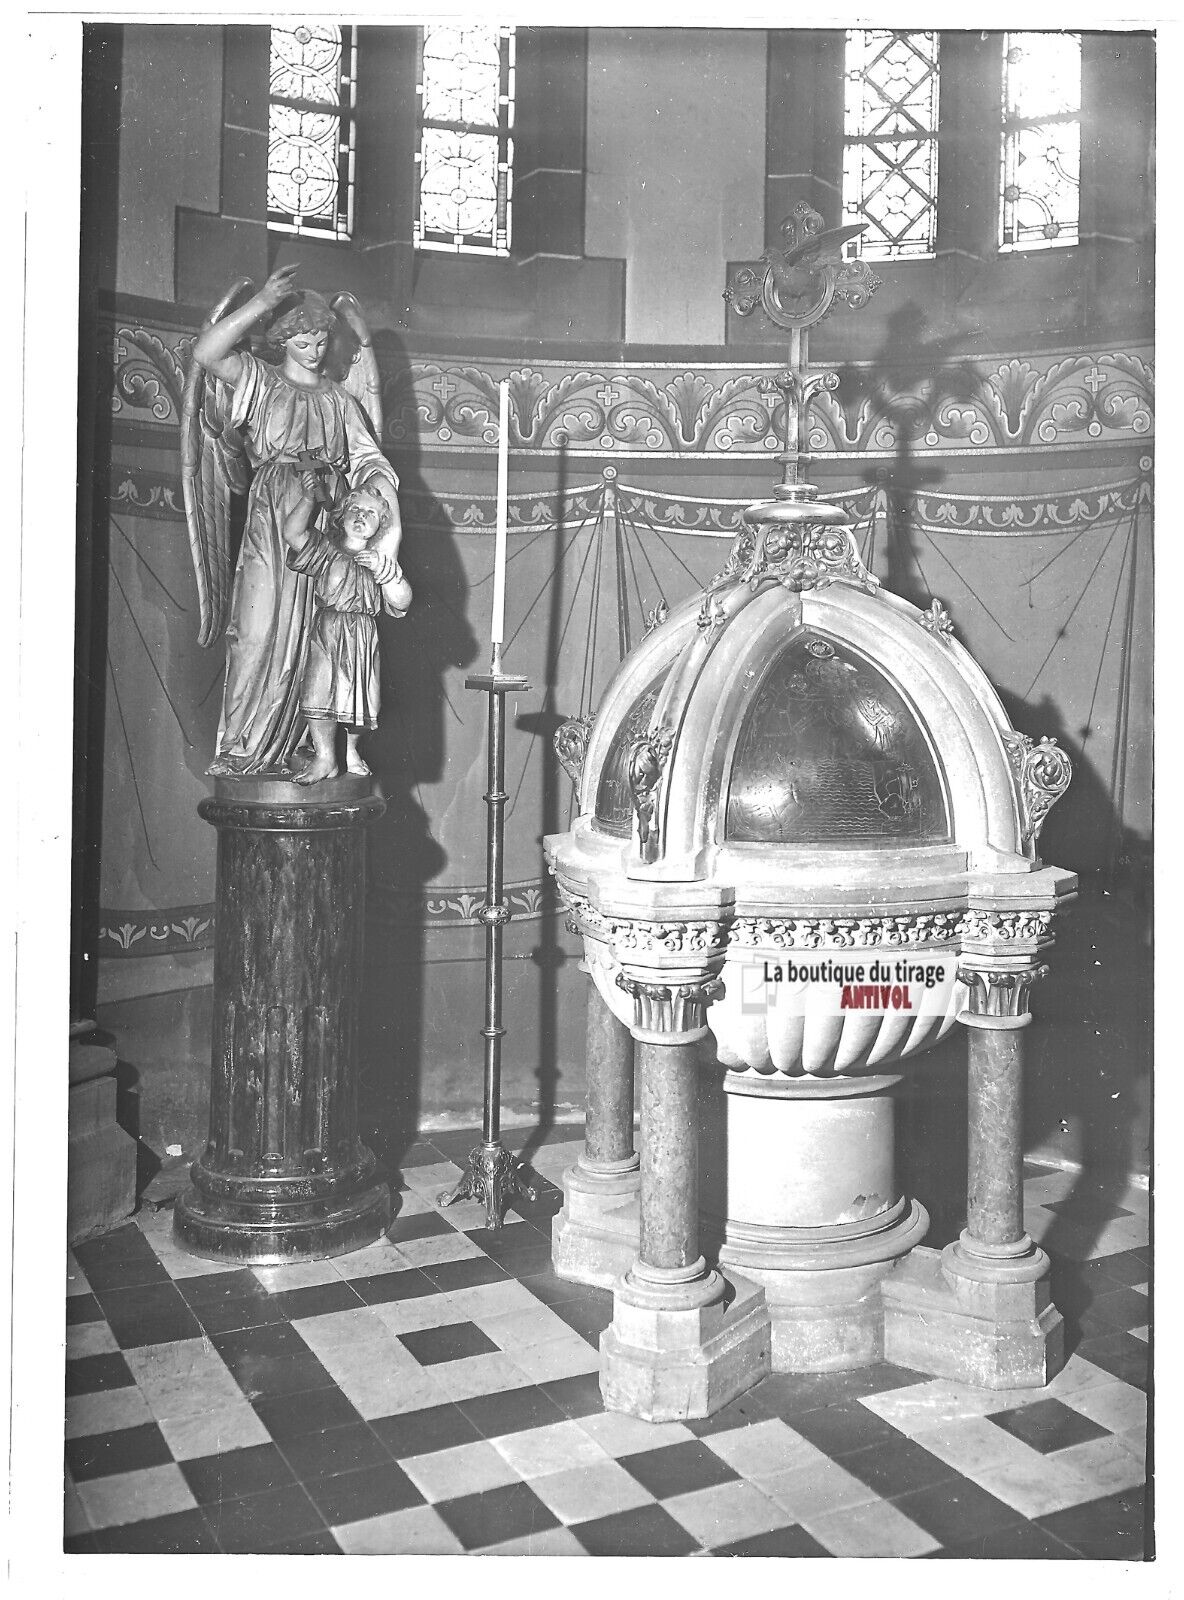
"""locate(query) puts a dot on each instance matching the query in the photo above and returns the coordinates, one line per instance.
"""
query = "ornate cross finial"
(796, 285)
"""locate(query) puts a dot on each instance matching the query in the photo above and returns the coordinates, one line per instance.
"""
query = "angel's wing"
(213, 467)
(361, 377)
(821, 249)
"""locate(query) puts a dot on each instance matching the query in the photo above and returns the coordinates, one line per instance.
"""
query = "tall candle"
(497, 629)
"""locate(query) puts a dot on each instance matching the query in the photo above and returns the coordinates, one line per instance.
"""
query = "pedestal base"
(274, 1236)
(823, 1293)
(284, 1176)
(665, 1365)
(991, 1334)
(594, 1239)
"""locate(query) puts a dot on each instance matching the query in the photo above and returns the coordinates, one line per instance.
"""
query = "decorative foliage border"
(721, 410)
(158, 932)
(139, 492)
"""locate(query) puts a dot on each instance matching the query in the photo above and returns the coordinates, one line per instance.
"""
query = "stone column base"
(669, 1364)
(988, 1332)
(822, 1285)
(594, 1239)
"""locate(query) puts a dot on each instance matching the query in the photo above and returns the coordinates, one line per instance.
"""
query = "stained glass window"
(890, 141)
(310, 143)
(1041, 176)
(464, 164)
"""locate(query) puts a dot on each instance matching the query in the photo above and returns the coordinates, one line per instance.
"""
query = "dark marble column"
(995, 1018)
(995, 1142)
(669, 1021)
(284, 1176)
(669, 1156)
(679, 1345)
(608, 1125)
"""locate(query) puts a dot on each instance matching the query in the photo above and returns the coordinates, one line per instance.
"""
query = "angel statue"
(254, 427)
(340, 681)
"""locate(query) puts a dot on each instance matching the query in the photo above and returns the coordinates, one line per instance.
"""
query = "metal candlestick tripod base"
(493, 1175)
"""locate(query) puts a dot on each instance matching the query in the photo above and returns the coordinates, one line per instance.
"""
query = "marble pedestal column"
(990, 1319)
(284, 1176)
(594, 1237)
(683, 1340)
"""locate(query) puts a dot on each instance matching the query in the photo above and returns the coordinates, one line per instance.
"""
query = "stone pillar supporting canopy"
(595, 1236)
(985, 1315)
(684, 1340)
(994, 1239)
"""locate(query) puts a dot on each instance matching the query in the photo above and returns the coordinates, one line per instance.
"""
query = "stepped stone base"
(669, 1365)
(991, 1335)
(595, 1237)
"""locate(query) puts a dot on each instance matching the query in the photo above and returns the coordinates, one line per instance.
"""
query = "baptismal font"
(805, 851)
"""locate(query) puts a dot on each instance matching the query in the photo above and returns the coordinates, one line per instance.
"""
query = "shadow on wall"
(549, 955)
(1087, 1088)
(906, 386)
(1088, 1094)
(408, 750)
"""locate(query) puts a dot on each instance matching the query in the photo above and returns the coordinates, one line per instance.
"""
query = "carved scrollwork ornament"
(1005, 927)
(571, 746)
(843, 933)
(797, 282)
(1042, 772)
(712, 616)
(647, 763)
(937, 622)
(808, 556)
(655, 618)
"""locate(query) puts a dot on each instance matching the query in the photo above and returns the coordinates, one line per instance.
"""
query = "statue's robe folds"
(341, 673)
(272, 606)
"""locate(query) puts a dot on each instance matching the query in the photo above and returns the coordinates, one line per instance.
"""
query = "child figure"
(340, 682)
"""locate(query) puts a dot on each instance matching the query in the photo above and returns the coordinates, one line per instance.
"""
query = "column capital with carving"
(997, 992)
(672, 1010)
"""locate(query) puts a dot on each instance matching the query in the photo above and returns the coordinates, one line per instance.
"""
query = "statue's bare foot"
(319, 768)
(355, 764)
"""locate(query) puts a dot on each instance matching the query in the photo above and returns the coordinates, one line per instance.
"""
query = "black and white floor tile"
(438, 1393)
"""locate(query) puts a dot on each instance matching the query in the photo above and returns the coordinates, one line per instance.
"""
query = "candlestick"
(493, 1174)
(497, 628)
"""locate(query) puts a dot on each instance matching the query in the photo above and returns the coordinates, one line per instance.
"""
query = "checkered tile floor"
(438, 1394)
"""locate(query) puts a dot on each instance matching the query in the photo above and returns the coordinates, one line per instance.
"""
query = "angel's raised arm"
(214, 349)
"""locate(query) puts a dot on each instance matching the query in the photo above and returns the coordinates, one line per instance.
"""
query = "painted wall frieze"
(716, 410)
(144, 492)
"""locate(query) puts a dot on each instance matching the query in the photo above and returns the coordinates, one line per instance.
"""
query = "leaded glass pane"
(310, 145)
(306, 64)
(890, 141)
(466, 149)
(302, 163)
(1042, 75)
(461, 75)
(458, 189)
(1041, 169)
